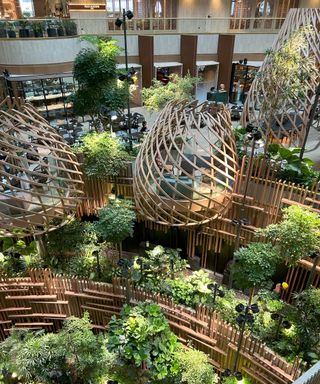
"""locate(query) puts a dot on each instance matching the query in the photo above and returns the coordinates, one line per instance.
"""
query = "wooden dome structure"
(186, 167)
(289, 121)
(40, 178)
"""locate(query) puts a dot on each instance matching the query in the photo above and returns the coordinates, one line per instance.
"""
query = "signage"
(87, 7)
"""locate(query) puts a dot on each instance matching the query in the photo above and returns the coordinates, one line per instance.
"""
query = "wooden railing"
(44, 301)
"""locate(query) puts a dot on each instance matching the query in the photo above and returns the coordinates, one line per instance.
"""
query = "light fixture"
(238, 376)
(129, 14)
(118, 22)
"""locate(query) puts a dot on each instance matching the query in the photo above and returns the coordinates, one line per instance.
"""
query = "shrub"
(103, 155)
(195, 368)
(142, 337)
(74, 355)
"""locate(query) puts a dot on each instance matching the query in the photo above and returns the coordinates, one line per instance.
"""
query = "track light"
(118, 22)
(129, 14)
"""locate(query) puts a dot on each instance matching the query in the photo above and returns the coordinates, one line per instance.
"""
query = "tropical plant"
(297, 235)
(157, 265)
(290, 167)
(15, 256)
(103, 155)
(195, 368)
(254, 265)
(74, 355)
(178, 88)
(116, 221)
(70, 27)
(233, 380)
(142, 338)
(308, 321)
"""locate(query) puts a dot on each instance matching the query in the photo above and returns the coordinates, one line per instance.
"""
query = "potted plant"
(51, 28)
(60, 28)
(37, 28)
(70, 27)
(3, 30)
(11, 31)
(23, 30)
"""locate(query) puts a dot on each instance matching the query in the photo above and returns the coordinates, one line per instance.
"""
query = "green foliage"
(103, 155)
(233, 380)
(308, 320)
(297, 235)
(158, 264)
(254, 265)
(15, 256)
(290, 167)
(116, 221)
(74, 355)
(96, 72)
(178, 88)
(142, 336)
(195, 368)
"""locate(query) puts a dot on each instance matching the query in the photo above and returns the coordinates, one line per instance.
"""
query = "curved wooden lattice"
(40, 178)
(186, 167)
(288, 124)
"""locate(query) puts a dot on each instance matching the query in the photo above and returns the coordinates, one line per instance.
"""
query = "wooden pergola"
(186, 168)
(40, 178)
(289, 124)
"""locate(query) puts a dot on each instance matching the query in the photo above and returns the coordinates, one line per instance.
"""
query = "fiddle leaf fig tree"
(297, 235)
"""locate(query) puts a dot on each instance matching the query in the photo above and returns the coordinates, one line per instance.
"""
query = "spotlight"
(211, 286)
(250, 127)
(220, 293)
(226, 373)
(118, 22)
(245, 61)
(129, 14)
(257, 135)
(122, 77)
(241, 318)
(255, 308)
(249, 318)
(240, 307)
(275, 316)
(286, 324)
(238, 376)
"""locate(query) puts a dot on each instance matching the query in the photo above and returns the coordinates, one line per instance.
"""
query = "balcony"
(104, 25)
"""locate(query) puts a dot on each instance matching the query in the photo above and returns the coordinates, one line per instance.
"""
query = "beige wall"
(253, 43)
(204, 8)
(38, 51)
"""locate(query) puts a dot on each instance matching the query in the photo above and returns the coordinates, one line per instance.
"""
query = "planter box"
(52, 32)
(38, 33)
(3, 33)
(12, 34)
(23, 32)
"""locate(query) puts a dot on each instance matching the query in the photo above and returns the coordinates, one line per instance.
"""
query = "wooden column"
(188, 53)
(146, 59)
(225, 54)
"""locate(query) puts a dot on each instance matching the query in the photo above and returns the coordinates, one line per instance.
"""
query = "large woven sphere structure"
(288, 123)
(40, 178)
(186, 167)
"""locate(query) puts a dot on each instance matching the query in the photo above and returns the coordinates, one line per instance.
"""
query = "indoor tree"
(254, 265)
(95, 70)
(296, 236)
(116, 222)
(178, 88)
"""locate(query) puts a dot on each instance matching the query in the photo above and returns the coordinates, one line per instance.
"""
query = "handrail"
(105, 24)
(312, 376)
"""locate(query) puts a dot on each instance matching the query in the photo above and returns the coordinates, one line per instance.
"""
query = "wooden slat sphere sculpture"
(287, 124)
(40, 178)
(186, 167)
